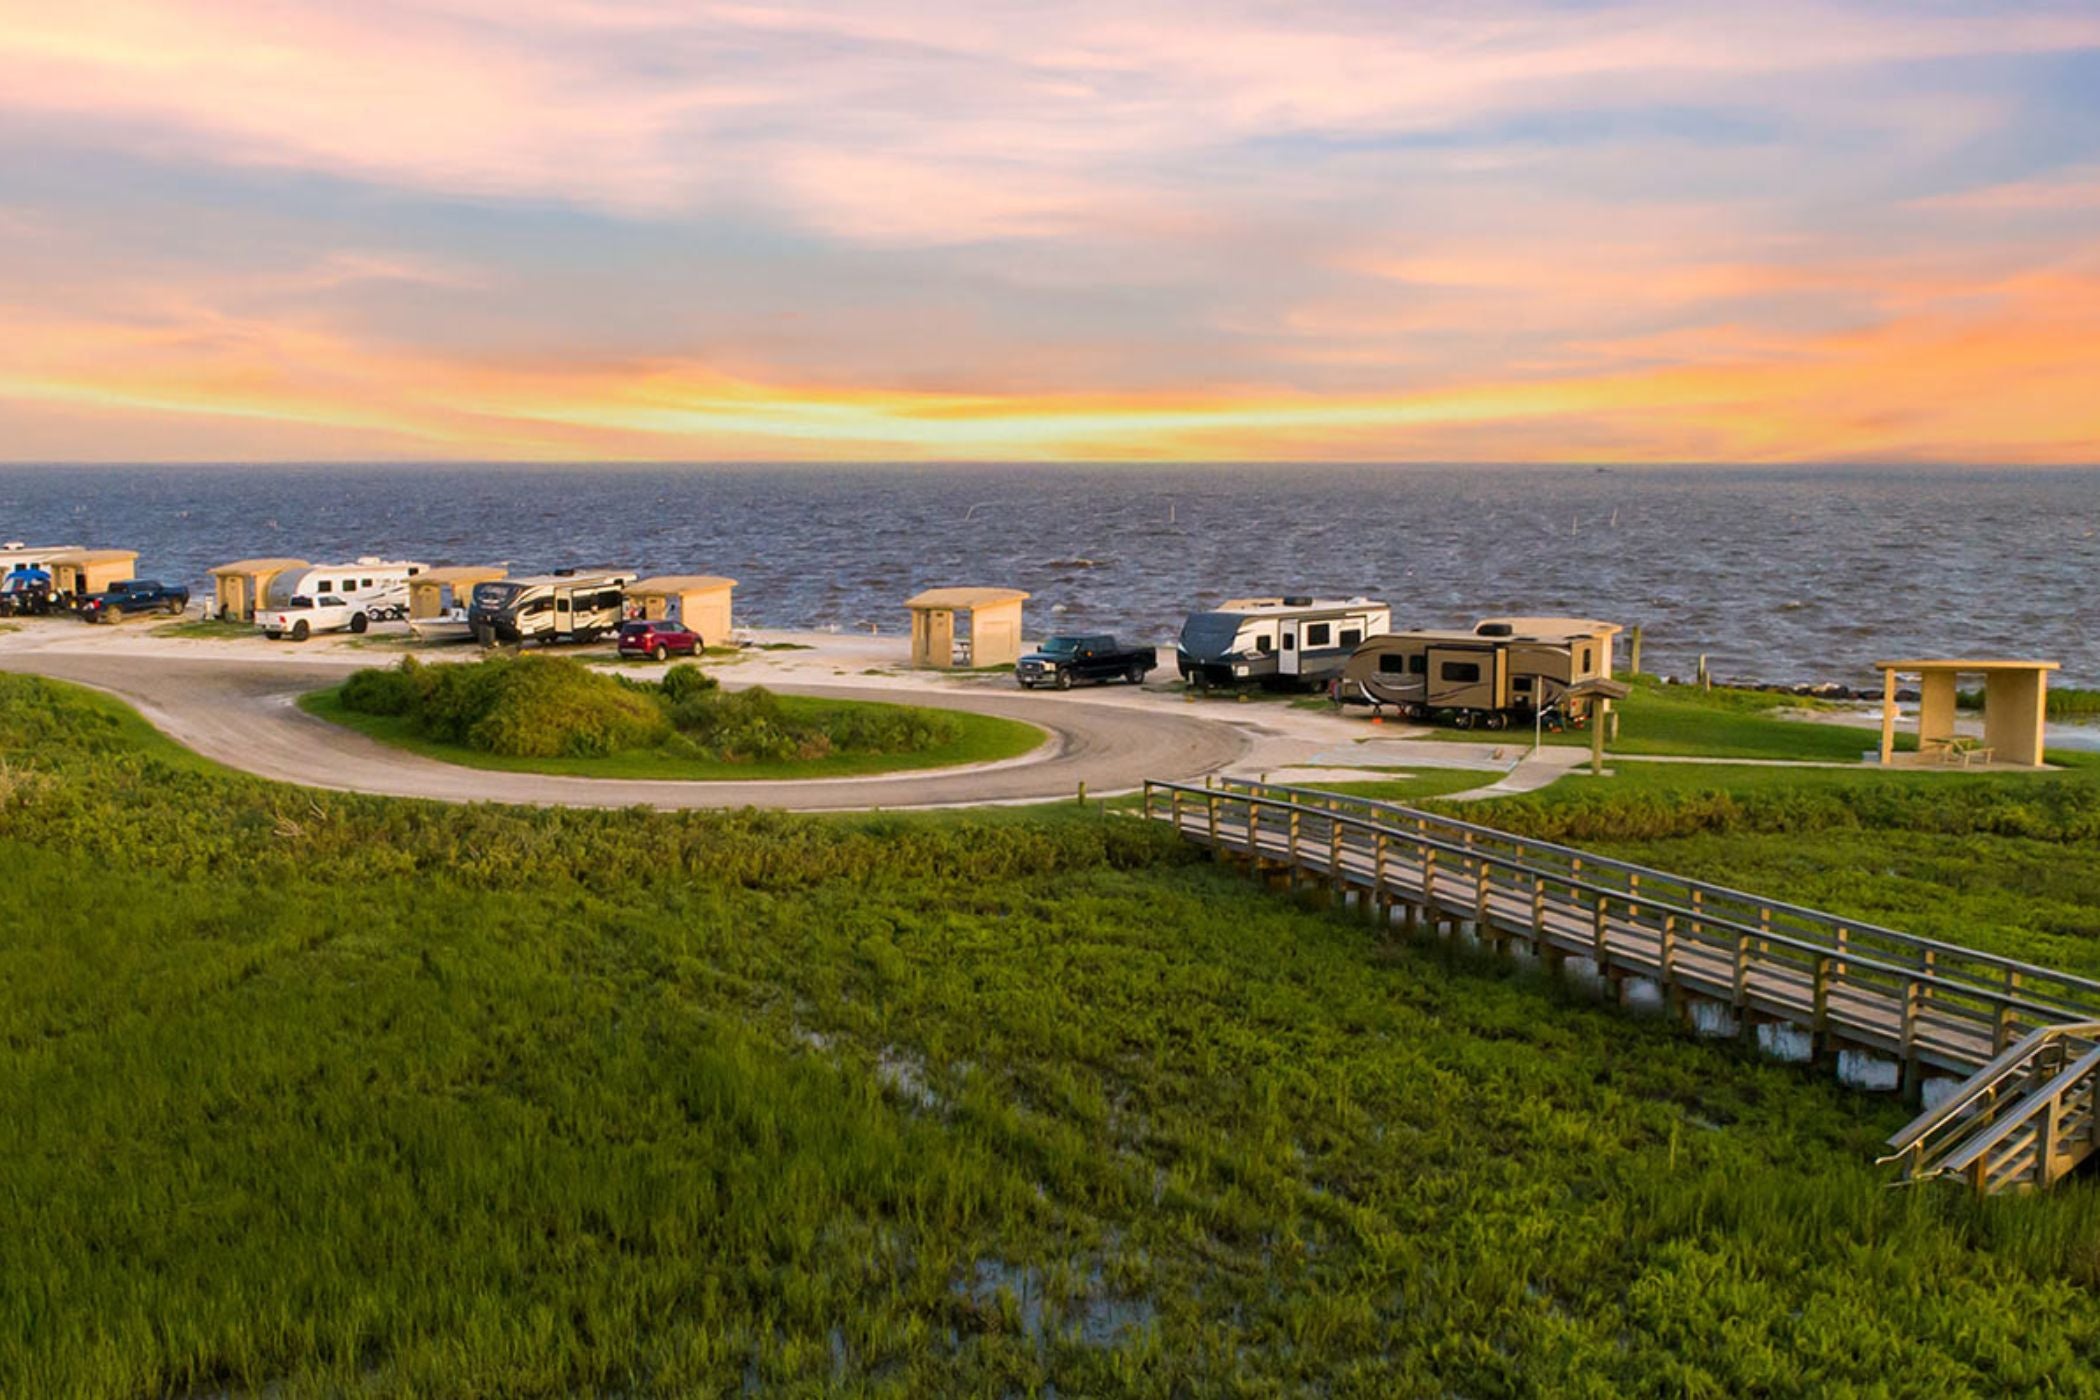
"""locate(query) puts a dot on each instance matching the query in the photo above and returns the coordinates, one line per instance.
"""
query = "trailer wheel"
(1464, 719)
(300, 631)
(1497, 720)
(359, 623)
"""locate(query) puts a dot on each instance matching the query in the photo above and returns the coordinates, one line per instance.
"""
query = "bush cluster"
(544, 707)
(528, 707)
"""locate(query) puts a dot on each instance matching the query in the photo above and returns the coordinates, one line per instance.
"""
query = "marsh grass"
(316, 1093)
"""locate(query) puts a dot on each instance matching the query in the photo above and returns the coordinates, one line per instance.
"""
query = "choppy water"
(1799, 574)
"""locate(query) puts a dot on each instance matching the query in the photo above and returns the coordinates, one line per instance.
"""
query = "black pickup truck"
(1063, 660)
(134, 595)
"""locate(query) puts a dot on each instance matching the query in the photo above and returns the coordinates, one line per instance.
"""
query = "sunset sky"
(903, 229)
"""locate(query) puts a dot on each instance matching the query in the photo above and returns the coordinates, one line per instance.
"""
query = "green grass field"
(980, 739)
(1682, 720)
(313, 1093)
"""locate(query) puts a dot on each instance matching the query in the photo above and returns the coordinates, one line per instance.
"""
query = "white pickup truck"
(304, 616)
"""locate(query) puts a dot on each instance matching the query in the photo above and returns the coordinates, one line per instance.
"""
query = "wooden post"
(2045, 1151)
(1210, 800)
(1602, 954)
(1635, 661)
(1742, 970)
(1819, 1024)
(1912, 1085)
(1888, 717)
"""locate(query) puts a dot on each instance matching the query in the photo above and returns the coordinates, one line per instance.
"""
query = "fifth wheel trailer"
(1504, 669)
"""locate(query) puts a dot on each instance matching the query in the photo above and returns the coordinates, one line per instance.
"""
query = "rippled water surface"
(1801, 574)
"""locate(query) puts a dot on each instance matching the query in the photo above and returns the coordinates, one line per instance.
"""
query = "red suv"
(657, 640)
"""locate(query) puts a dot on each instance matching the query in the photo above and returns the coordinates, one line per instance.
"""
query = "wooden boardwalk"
(1930, 1007)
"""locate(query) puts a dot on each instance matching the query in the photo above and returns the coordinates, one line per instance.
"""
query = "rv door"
(1287, 659)
(564, 614)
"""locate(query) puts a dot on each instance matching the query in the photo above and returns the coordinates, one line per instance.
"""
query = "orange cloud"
(2006, 377)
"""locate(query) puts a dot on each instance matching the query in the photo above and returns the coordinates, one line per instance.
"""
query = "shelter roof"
(460, 573)
(666, 585)
(259, 566)
(965, 598)
(1966, 664)
(91, 556)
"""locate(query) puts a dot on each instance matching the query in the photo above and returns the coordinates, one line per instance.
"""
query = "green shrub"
(685, 680)
(546, 708)
(378, 692)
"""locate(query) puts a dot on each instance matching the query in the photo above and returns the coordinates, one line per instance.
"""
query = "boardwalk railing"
(1929, 1005)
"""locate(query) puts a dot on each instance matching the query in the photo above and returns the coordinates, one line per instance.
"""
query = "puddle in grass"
(1096, 1318)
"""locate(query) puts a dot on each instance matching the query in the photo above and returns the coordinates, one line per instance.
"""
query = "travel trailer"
(1276, 640)
(1504, 669)
(26, 582)
(377, 588)
(571, 605)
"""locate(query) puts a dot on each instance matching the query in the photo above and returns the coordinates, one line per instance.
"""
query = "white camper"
(1288, 639)
(374, 587)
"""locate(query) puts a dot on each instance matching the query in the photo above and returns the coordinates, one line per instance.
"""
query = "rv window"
(1393, 664)
(324, 586)
(1264, 645)
(364, 583)
(1521, 685)
(538, 606)
(1318, 634)
(1465, 671)
(1418, 664)
(1352, 637)
(610, 598)
(1290, 641)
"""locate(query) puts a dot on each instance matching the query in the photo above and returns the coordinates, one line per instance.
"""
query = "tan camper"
(1504, 669)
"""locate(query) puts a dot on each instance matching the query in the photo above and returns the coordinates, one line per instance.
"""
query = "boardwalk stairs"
(2023, 1040)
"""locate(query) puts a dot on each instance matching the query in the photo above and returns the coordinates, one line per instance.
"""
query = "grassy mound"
(531, 707)
(554, 715)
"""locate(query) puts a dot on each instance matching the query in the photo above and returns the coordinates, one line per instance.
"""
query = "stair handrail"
(2003, 1066)
(1962, 1158)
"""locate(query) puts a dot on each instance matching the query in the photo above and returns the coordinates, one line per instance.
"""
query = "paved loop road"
(242, 714)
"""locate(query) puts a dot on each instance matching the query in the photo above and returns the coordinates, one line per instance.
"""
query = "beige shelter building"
(2015, 708)
(700, 603)
(994, 634)
(240, 587)
(427, 590)
(84, 571)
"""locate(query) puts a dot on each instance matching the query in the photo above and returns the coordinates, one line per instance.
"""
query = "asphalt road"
(242, 713)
